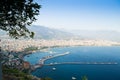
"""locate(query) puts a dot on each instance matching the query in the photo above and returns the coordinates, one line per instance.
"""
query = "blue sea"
(79, 54)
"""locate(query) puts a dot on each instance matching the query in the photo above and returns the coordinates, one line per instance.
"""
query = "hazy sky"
(80, 14)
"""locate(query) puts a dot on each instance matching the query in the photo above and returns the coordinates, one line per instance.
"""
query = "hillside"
(98, 34)
(42, 32)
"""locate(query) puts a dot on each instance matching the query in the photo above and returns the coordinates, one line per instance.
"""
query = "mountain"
(42, 32)
(98, 34)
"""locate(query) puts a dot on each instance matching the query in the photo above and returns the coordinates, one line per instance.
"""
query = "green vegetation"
(44, 47)
(31, 48)
(84, 78)
(15, 15)
(14, 74)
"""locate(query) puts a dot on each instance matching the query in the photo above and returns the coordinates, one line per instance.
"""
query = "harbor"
(79, 62)
(83, 63)
(76, 63)
(42, 62)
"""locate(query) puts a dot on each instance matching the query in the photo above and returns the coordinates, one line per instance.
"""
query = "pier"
(76, 63)
(83, 63)
(41, 62)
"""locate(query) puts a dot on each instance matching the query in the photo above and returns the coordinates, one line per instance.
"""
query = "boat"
(51, 63)
(67, 52)
(54, 68)
(73, 78)
(51, 52)
(55, 63)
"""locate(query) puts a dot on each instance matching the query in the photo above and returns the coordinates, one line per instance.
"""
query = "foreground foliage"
(84, 78)
(14, 74)
(15, 15)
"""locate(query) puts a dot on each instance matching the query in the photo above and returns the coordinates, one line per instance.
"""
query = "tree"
(15, 15)
(0, 64)
(84, 78)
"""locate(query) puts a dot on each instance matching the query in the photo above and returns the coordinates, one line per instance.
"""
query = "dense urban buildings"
(20, 45)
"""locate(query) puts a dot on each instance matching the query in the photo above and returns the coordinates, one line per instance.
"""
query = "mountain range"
(42, 32)
(111, 35)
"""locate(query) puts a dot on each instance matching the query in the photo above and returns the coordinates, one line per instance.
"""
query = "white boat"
(51, 63)
(55, 63)
(51, 52)
(54, 68)
(73, 78)
(67, 52)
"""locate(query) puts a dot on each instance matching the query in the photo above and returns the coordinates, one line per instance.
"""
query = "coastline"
(41, 61)
(32, 52)
(25, 53)
(20, 45)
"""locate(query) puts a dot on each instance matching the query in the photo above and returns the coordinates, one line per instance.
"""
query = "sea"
(79, 54)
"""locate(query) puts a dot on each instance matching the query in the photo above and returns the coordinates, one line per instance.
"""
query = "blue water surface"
(80, 54)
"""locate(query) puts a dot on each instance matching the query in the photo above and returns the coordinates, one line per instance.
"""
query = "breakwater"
(83, 63)
(41, 61)
(76, 63)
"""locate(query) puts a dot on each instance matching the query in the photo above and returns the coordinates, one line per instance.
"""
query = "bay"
(79, 54)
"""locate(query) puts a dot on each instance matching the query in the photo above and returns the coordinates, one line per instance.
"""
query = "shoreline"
(46, 50)
(42, 60)
(20, 45)
(21, 53)
(41, 63)
(58, 67)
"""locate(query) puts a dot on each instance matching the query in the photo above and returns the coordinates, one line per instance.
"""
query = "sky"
(80, 14)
